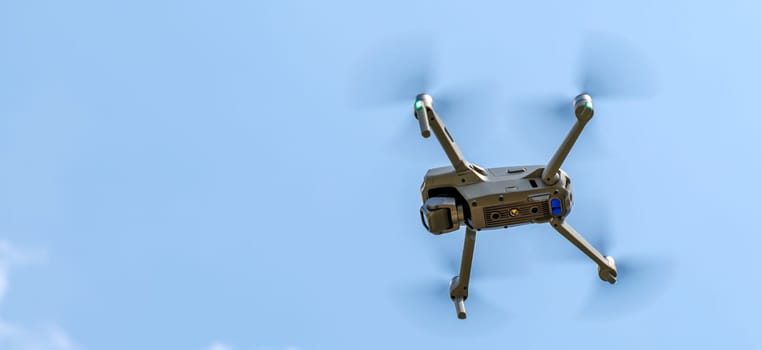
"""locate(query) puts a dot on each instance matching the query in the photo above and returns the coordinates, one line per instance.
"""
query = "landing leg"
(459, 284)
(606, 264)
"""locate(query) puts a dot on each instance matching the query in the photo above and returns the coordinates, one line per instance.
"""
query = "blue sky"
(204, 175)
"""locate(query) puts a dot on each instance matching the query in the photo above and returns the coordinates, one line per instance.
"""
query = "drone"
(494, 198)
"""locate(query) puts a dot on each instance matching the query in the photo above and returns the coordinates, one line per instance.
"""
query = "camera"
(441, 215)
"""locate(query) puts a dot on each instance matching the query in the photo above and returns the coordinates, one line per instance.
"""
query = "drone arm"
(583, 109)
(424, 112)
(459, 284)
(448, 144)
(550, 174)
(606, 267)
(469, 242)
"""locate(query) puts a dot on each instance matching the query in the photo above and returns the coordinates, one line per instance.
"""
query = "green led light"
(418, 104)
(588, 105)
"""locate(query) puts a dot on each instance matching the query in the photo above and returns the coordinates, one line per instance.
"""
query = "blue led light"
(555, 206)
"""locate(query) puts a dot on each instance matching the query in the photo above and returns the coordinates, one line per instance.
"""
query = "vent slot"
(448, 134)
(533, 183)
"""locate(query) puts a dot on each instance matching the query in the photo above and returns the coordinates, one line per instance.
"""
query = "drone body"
(478, 198)
(493, 198)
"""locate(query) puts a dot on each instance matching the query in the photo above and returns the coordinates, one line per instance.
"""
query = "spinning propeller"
(609, 69)
(641, 278)
(393, 73)
(425, 302)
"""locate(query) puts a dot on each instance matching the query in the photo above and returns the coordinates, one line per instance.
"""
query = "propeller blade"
(640, 278)
(393, 72)
(497, 256)
(468, 103)
(466, 110)
(546, 120)
(426, 302)
(640, 281)
(427, 305)
(445, 251)
(547, 109)
(613, 67)
(610, 67)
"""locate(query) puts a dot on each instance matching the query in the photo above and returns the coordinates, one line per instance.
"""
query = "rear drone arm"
(606, 265)
(583, 109)
(424, 112)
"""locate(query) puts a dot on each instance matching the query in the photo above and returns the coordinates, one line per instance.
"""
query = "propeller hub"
(425, 99)
(583, 107)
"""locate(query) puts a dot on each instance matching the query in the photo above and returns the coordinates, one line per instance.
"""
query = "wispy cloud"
(15, 336)
(223, 346)
(218, 346)
(11, 256)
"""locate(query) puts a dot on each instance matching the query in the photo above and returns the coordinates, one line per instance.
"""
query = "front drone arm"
(424, 112)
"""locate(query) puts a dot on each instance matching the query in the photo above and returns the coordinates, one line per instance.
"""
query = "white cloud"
(218, 346)
(11, 256)
(14, 337)
(222, 346)
(19, 337)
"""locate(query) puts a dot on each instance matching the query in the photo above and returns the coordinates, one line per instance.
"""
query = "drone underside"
(466, 194)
